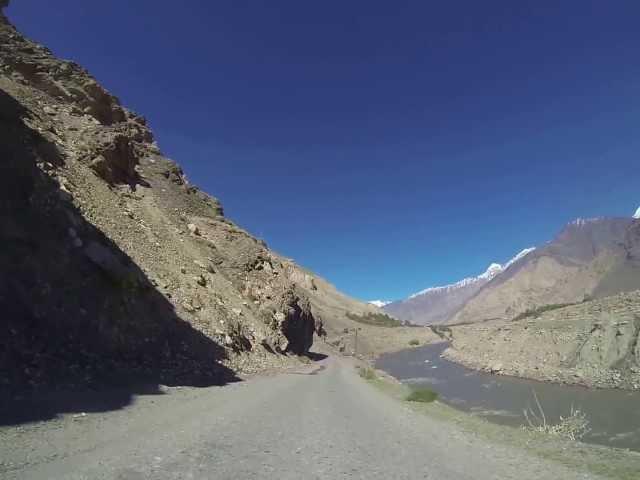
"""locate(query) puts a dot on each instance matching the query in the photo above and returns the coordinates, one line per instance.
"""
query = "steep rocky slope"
(588, 259)
(595, 343)
(115, 266)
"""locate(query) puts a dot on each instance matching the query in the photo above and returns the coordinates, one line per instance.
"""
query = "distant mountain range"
(437, 304)
(589, 258)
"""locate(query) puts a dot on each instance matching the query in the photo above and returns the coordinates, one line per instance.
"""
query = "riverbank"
(613, 463)
(593, 344)
(372, 341)
(612, 415)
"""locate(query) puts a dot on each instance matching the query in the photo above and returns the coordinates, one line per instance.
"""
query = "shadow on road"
(316, 357)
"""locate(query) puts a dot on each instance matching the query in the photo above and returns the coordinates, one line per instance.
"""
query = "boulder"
(496, 367)
(116, 159)
(297, 323)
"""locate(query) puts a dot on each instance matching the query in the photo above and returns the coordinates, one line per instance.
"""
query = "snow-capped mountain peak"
(520, 255)
(637, 214)
(581, 222)
(493, 270)
(379, 303)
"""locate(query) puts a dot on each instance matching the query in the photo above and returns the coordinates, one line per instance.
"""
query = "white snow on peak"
(580, 222)
(379, 303)
(493, 270)
(519, 256)
(637, 214)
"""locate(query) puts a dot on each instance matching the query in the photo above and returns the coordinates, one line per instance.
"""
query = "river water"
(614, 415)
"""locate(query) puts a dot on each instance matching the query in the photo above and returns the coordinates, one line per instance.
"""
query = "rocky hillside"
(588, 259)
(595, 343)
(115, 265)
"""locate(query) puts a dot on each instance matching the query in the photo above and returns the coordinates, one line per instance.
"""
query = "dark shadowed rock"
(298, 324)
(107, 261)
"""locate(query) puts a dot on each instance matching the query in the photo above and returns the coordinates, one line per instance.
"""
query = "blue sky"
(387, 147)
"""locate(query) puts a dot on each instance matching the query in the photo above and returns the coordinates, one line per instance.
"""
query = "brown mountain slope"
(594, 343)
(113, 264)
(588, 259)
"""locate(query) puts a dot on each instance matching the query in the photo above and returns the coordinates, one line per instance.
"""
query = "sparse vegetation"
(423, 395)
(367, 373)
(442, 331)
(594, 459)
(537, 311)
(414, 342)
(378, 319)
(573, 427)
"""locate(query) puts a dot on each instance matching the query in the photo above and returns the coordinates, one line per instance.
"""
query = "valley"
(566, 312)
(146, 334)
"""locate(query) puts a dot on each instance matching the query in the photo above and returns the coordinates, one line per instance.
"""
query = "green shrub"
(423, 395)
(536, 312)
(414, 342)
(378, 319)
(367, 373)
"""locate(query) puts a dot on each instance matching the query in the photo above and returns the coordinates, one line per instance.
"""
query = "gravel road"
(321, 422)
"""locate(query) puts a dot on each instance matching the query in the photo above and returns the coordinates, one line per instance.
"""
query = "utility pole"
(355, 349)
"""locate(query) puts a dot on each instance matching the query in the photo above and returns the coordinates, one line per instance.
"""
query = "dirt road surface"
(320, 422)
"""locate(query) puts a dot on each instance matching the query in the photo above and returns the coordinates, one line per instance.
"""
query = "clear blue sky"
(388, 146)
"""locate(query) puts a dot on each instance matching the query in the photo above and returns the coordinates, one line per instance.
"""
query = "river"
(614, 415)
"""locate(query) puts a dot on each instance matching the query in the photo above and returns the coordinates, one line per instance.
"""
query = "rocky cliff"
(113, 264)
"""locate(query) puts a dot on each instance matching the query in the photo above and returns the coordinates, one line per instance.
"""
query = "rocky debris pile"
(594, 343)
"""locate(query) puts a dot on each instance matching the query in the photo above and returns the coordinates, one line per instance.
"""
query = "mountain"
(592, 343)
(379, 303)
(437, 304)
(589, 258)
(114, 265)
